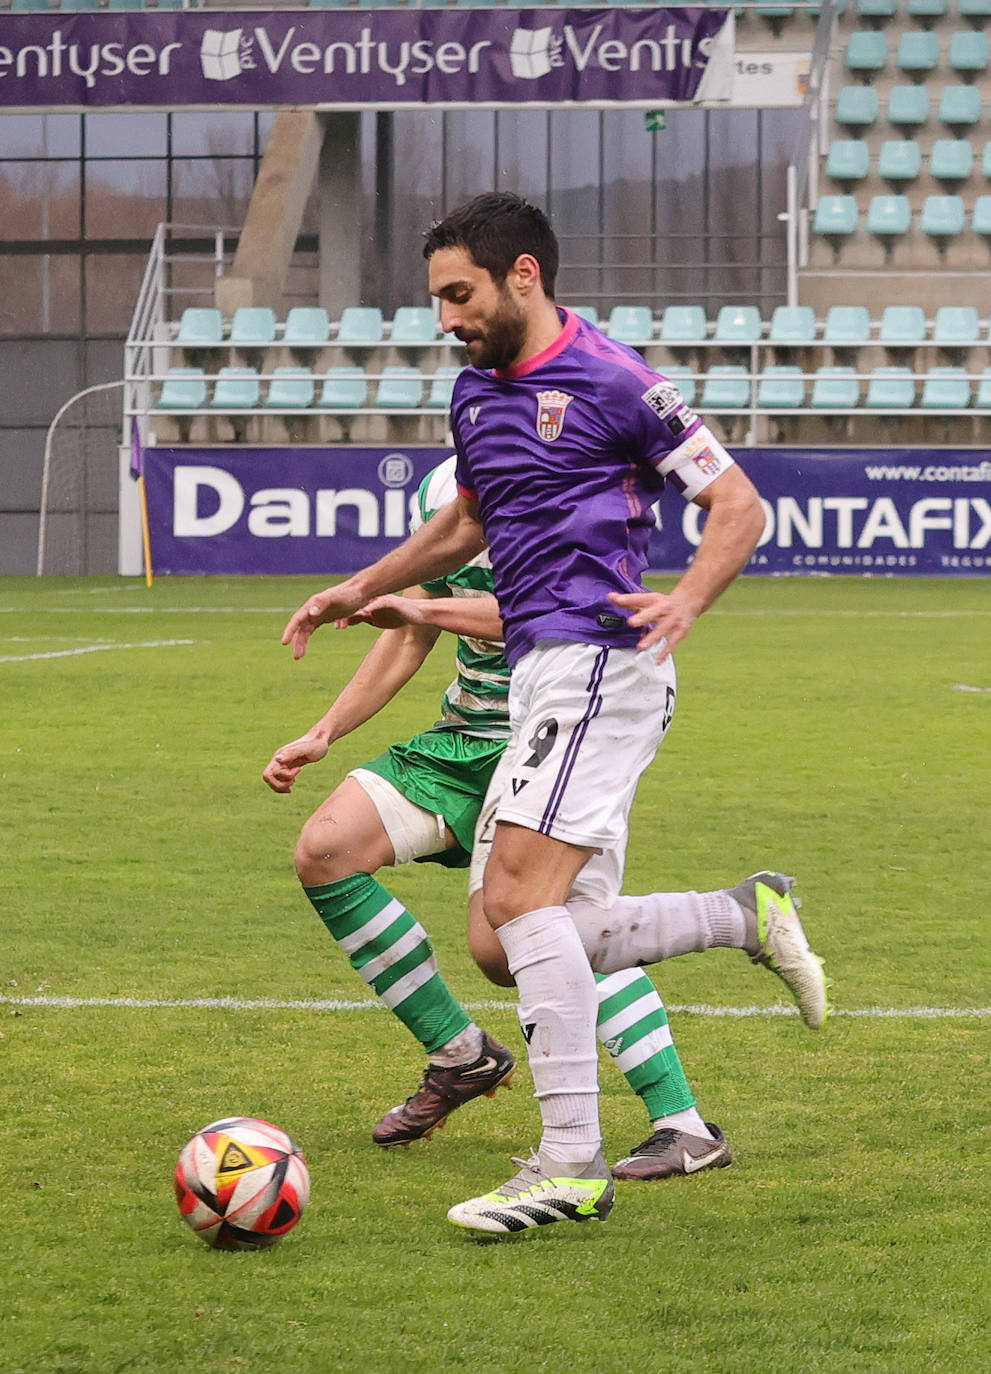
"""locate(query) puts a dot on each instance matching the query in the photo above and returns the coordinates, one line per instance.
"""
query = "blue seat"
(344, 388)
(946, 388)
(968, 52)
(291, 388)
(184, 388)
(856, 107)
(726, 387)
(630, 324)
(792, 324)
(836, 218)
(307, 326)
(683, 324)
(28, 6)
(942, 216)
(959, 107)
(900, 160)
(977, 10)
(891, 388)
(876, 9)
(359, 325)
(236, 388)
(442, 388)
(848, 161)
(413, 324)
(124, 5)
(847, 325)
(866, 52)
(835, 388)
(738, 324)
(80, 6)
(980, 220)
(956, 326)
(587, 312)
(903, 324)
(983, 398)
(200, 325)
(401, 388)
(951, 161)
(908, 107)
(926, 12)
(889, 217)
(781, 387)
(253, 324)
(685, 380)
(918, 52)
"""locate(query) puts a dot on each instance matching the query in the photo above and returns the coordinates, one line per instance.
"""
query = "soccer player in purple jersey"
(564, 441)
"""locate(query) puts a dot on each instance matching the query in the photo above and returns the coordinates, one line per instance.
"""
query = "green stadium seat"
(889, 218)
(738, 324)
(125, 4)
(376, 4)
(726, 387)
(956, 326)
(848, 161)
(983, 398)
(951, 161)
(942, 217)
(80, 6)
(401, 388)
(918, 52)
(926, 12)
(856, 107)
(980, 220)
(899, 161)
(847, 325)
(946, 388)
(866, 52)
(413, 324)
(442, 388)
(781, 387)
(344, 388)
(291, 388)
(959, 107)
(331, 4)
(630, 324)
(835, 388)
(253, 324)
(836, 218)
(307, 326)
(587, 312)
(975, 10)
(903, 324)
(968, 52)
(891, 388)
(184, 388)
(684, 379)
(792, 324)
(236, 388)
(28, 6)
(359, 325)
(881, 10)
(200, 325)
(683, 324)
(908, 107)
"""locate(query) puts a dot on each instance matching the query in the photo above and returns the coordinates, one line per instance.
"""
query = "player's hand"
(387, 613)
(285, 764)
(322, 609)
(668, 617)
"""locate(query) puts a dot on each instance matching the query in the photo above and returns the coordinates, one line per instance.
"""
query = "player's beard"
(504, 337)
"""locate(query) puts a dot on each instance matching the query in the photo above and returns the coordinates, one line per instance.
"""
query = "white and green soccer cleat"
(531, 1199)
(782, 944)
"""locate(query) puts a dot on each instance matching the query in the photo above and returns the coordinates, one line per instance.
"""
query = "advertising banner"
(365, 58)
(331, 511)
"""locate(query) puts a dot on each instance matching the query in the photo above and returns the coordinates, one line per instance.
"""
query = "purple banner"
(355, 58)
(330, 511)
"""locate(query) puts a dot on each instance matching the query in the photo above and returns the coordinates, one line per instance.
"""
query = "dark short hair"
(495, 228)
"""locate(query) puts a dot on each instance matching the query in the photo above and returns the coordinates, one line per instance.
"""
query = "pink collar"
(570, 329)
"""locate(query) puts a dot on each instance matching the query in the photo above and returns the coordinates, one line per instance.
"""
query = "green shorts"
(447, 773)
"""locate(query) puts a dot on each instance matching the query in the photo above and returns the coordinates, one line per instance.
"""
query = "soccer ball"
(241, 1183)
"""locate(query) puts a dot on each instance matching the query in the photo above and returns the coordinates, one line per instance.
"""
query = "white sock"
(661, 925)
(463, 1048)
(558, 1009)
(688, 1120)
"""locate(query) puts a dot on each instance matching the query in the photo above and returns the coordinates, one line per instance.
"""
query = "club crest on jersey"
(551, 406)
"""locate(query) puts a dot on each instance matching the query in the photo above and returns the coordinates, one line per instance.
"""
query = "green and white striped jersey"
(476, 702)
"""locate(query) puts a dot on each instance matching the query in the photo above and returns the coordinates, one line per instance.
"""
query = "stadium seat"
(200, 325)
(942, 217)
(401, 388)
(903, 324)
(28, 6)
(946, 388)
(630, 324)
(344, 388)
(956, 326)
(781, 387)
(413, 324)
(908, 107)
(80, 6)
(926, 12)
(983, 398)
(847, 325)
(856, 107)
(968, 52)
(236, 388)
(976, 10)
(980, 220)
(307, 326)
(792, 324)
(836, 219)
(899, 161)
(587, 312)
(184, 388)
(959, 107)
(889, 218)
(891, 388)
(835, 388)
(333, 4)
(685, 380)
(726, 387)
(291, 388)
(848, 161)
(866, 52)
(738, 324)
(918, 52)
(683, 324)
(253, 324)
(986, 162)
(442, 388)
(360, 324)
(125, 5)
(951, 161)
(881, 10)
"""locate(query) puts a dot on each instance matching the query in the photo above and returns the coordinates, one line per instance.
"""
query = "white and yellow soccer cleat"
(531, 1199)
(782, 943)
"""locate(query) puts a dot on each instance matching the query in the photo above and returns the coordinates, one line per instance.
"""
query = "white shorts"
(586, 721)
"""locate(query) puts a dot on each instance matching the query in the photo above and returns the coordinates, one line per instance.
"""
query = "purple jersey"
(566, 453)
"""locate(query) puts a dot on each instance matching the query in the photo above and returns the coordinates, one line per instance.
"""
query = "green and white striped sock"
(393, 953)
(633, 1026)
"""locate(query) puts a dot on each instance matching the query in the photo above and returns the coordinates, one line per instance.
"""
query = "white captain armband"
(696, 462)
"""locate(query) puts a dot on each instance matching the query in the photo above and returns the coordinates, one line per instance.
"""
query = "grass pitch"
(161, 969)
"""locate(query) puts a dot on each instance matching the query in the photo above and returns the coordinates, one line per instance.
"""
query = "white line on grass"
(372, 1004)
(95, 649)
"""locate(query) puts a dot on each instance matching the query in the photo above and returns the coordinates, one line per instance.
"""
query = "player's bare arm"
(734, 525)
(475, 616)
(443, 544)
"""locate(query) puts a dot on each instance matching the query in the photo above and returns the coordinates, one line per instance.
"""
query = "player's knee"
(318, 860)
